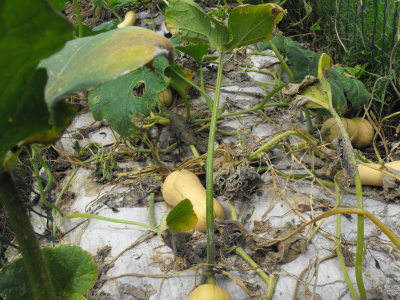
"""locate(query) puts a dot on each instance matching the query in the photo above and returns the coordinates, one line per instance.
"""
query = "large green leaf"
(72, 269)
(90, 61)
(281, 43)
(302, 62)
(115, 102)
(196, 51)
(188, 22)
(26, 37)
(250, 23)
(59, 4)
(355, 90)
(182, 217)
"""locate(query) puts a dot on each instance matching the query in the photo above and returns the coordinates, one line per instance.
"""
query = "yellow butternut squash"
(130, 19)
(180, 185)
(209, 292)
(361, 135)
(373, 177)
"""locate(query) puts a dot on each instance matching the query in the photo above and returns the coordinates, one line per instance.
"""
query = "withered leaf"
(391, 185)
(240, 185)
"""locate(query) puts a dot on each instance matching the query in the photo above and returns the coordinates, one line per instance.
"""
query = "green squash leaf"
(182, 217)
(354, 89)
(281, 43)
(248, 24)
(302, 63)
(115, 102)
(72, 269)
(87, 31)
(59, 4)
(339, 101)
(90, 61)
(24, 113)
(99, 3)
(188, 22)
(196, 51)
(324, 72)
(73, 297)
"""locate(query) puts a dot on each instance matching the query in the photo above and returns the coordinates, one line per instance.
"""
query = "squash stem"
(35, 265)
(154, 228)
(271, 143)
(39, 181)
(339, 249)
(310, 127)
(196, 154)
(281, 59)
(270, 280)
(210, 166)
(360, 205)
(202, 91)
(257, 107)
(78, 14)
(151, 210)
(356, 211)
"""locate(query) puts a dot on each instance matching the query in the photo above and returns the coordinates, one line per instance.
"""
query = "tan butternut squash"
(361, 135)
(180, 185)
(209, 292)
(373, 177)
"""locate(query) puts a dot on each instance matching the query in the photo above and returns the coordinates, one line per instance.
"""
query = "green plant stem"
(35, 265)
(53, 212)
(339, 249)
(119, 17)
(270, 280)
(271, 143)
(360, 205)
(151, 210)
(46, 168)
(210, 167)
(283, 63)
(202, 91)
(201, 76)
(233, 210)
(35, 153)
(279, 82)
(310, 127)
(196, 154)
(360, 238)
(110, 220)
(184, 96)
(393, 238)
(257, 107)
(78, 14)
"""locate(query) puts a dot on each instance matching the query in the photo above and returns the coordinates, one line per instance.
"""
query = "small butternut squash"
(166, 96)
(180, 185)
(209, 292)
(361, 135)
(130, 19)
(373, 177)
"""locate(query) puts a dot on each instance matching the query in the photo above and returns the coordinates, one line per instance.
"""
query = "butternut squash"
(209, 292)
(130, 19)
(166, 96)
(180, 185)
(361, 135)
(373, 177)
